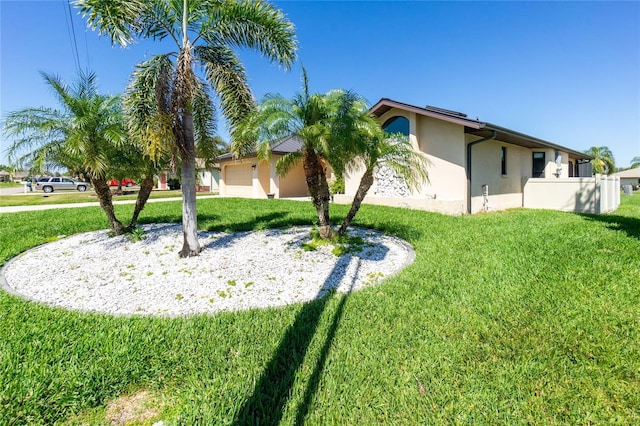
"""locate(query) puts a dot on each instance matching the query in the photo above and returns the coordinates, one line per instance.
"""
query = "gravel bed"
(95, 272)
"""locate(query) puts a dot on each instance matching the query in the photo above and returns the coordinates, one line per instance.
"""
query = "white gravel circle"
(95, 272)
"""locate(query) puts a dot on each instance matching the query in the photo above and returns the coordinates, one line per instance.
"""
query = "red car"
(125, 182)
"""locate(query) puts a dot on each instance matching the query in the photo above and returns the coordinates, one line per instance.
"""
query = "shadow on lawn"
(176, 218)
(276, 219)
(266, 403)
(629, 225)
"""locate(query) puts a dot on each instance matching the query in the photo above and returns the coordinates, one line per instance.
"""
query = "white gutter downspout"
(469, 145)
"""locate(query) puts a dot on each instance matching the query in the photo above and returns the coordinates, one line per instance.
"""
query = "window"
(503, 160)
(397, 124)
(538, 165)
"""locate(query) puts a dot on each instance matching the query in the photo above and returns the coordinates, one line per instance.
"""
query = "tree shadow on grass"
(266, 403)
(628, 225)
(276, 219)
(176, 218)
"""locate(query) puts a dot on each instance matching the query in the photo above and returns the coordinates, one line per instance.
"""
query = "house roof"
(201, 164)
(475, 126)
(283, 146)
(631, 173)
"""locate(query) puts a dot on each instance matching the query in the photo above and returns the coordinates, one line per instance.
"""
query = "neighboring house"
(5, 176)
(477, 166)
(20, 175)
(629, 177)
(250, 177)
(207, 178)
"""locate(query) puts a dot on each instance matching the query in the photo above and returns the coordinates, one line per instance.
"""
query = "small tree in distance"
(603, 162)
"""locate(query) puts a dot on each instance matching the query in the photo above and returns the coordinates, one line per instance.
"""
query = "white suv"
(48, 184)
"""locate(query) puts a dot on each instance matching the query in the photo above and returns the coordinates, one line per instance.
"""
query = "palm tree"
(318, 122)
(82, 136)
(378, 149)
(635, 162)
(603, 161)
(168, 105)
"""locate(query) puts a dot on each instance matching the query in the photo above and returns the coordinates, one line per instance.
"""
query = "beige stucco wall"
(504, 191)
(294, 184)
(264, 180)
(575, 194)
(595, 195)
(443, 145)
(415, 203)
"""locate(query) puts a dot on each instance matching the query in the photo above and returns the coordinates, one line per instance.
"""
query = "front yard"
(517, 317)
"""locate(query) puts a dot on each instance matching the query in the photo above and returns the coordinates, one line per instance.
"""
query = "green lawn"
(517, 317)
(69, 197)
(10, 184)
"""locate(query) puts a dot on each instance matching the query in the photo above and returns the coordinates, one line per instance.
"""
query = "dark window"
(571, 169)
(503, 160)
(397, 124)
(538, 165)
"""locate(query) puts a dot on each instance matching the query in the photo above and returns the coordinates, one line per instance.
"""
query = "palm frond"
(147, 106)
(160, 19)
(203, 114)
(254, 24)
(287, 162)
(244, 135)
(397, 153)
(228, 79)
(119, 19)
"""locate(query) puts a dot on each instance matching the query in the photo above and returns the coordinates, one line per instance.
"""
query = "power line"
(72, 34)
(86, 48)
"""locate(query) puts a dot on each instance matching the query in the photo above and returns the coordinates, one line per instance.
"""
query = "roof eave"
(536, 142)
(385, 104)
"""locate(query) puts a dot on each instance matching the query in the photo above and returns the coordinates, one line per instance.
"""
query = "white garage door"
(239, 180)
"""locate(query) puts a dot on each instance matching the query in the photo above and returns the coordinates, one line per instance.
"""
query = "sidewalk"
(14, 209)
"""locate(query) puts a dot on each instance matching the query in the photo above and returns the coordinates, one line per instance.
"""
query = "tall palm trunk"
(365, 183)
(104, 196)
(319, 189)
(143, 195)
(191, 245)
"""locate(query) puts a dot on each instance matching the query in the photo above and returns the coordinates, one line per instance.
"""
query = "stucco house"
(478, 166)
(250, 177)
(207, 177)
(629, 177)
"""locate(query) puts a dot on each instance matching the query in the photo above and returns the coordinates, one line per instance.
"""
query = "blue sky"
(566, 72)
